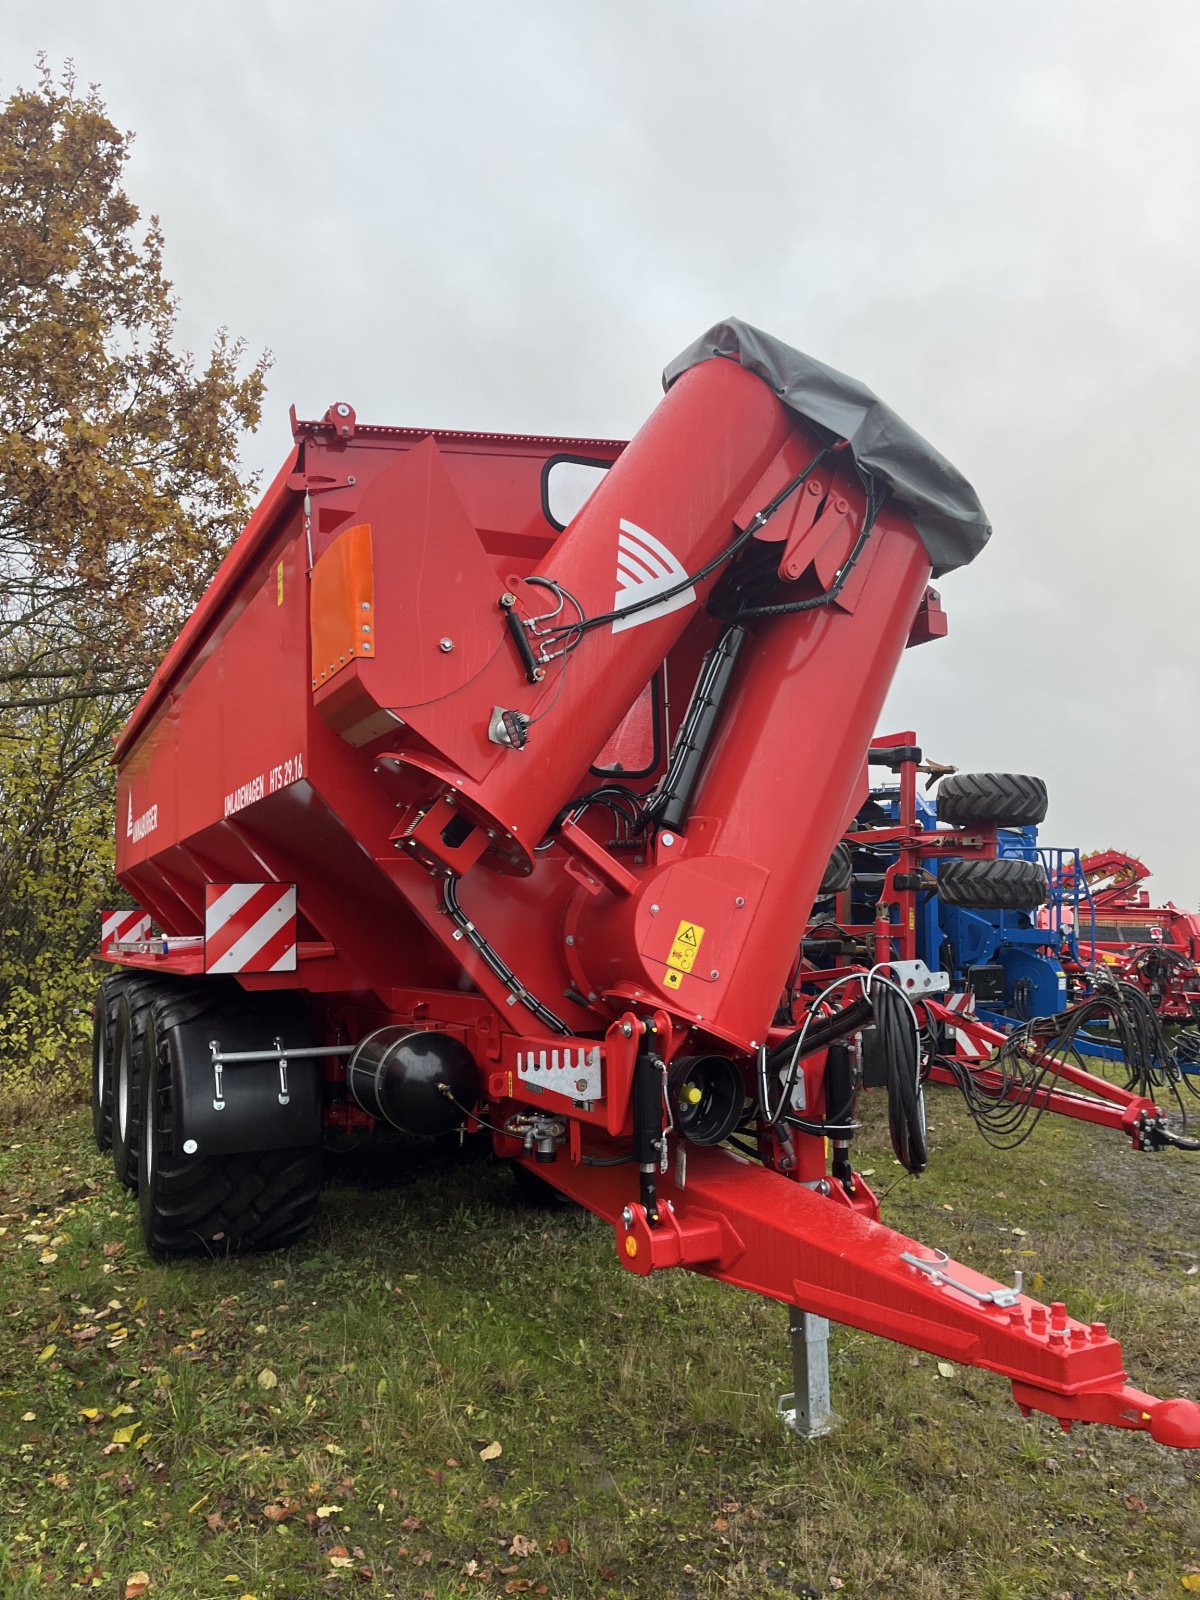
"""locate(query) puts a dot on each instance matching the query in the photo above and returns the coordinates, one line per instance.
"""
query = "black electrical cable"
(496, 962)
(760, 518)
(900, 1047)
(874, 504)
(1007, 1110)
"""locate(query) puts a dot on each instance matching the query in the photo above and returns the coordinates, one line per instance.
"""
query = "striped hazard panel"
(250, 927)
(123, 925)
(967, 1043)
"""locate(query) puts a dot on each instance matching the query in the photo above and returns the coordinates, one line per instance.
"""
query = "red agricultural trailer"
(1155, 948)
(490, 785)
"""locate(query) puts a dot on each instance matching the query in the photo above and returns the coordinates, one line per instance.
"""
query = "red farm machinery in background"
(955, 891)
(1155, 948)
(490, 786)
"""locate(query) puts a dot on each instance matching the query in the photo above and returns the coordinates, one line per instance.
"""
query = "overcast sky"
(512, 215)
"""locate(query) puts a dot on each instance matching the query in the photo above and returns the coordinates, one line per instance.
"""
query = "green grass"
(429, 1315)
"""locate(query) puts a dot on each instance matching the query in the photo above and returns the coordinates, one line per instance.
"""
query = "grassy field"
(442, 1393)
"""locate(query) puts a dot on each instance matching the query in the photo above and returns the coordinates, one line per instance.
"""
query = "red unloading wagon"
(491, 784)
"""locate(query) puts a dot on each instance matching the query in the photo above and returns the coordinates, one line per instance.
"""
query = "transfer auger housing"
(491, 784)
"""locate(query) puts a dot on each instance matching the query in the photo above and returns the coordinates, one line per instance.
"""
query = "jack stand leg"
(807, 1411)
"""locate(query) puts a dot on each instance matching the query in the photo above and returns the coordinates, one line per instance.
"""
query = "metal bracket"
(571, 1072)
(998, 1296)
(915, 978)
(807, 1410)
(284, 1096)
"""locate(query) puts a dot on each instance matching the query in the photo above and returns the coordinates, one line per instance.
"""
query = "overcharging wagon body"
(492, 783)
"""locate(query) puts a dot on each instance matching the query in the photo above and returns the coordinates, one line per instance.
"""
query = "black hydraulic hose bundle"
(900, 1045)
(900, 1048)
(649, 1074)
(672, 801)
(1007, 1109)
(495, 961)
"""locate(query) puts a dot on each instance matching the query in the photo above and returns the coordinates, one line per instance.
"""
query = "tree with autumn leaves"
(119, 492)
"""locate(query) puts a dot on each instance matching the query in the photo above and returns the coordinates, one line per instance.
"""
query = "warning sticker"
(672, 979)
(684, 949)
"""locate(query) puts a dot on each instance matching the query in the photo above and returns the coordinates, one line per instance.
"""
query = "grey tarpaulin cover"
(945, 509)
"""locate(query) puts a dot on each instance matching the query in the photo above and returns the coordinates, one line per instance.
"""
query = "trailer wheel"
(536, 1192)
(1000, 885)
(104, 1028)
(220, 1205)
(839, 874)
(1010, 798)
(132, 1001)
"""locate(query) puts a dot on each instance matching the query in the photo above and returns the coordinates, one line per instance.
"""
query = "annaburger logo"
(136, 828)
(646, 567)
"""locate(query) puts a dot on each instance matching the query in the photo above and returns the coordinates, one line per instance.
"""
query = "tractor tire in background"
(1010, 799)
(839, 873)
(133, 995)
(221, 1205)
(992, 885)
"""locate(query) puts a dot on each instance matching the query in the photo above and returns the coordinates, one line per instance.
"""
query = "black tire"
(535, 1192)
(220, 1205)
(132, 1001)
(839, 874)
(1000, 885)
(1010, 798)
(104, 1027)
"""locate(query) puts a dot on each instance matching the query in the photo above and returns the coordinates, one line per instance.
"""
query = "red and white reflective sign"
(250, 927)
(122, 925)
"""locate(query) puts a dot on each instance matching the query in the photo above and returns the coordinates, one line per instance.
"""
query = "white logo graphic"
(646, 567)
(136, 828)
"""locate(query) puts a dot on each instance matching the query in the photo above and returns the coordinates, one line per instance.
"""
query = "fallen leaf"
(136, 1585)
(518, 1585)
(561, 1547)
(114, 1247)
(280, 1510)
(946, 1368)
(60, 1480)
(328, 1511)
(267, 1379)
(521, 1546)
(29, 1416)
(1191, 1582)
(125, 1435)
(491, 1451)
(44, 1355)
(48, 1257)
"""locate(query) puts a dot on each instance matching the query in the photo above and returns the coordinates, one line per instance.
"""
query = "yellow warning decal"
(672, 979)
(686, 946)
(279, 584)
